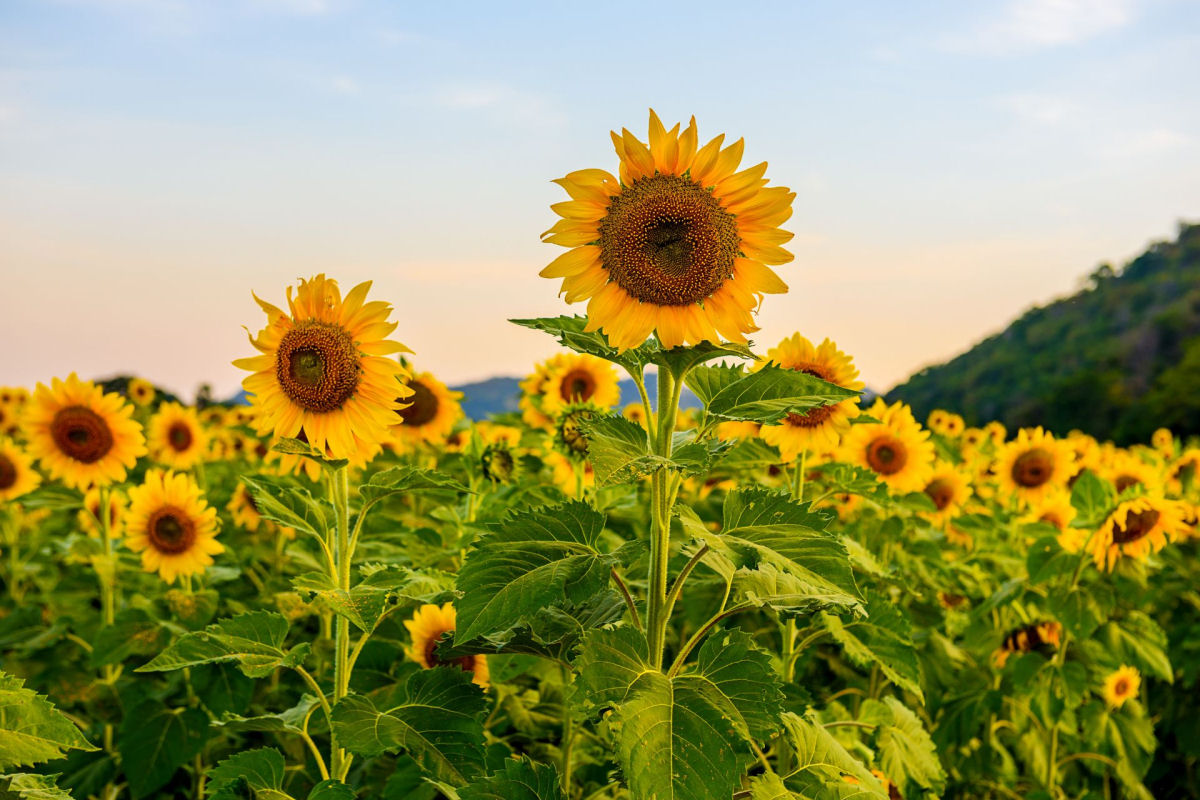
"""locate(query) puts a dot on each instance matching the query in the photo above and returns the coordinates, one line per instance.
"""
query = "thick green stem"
(660, 522)
(340, 496)
(568, 736)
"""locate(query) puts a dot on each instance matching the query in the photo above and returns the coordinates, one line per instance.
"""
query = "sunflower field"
(346, 589)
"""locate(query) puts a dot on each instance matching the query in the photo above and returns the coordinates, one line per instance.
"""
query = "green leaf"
(155, 740)
(1092, 497)
(407, 479)
(619, 450)
(331, 790)
(253, 640)
(262, 771)
(25, 786)
(133, 633)
(531, 561)
(298, 447)
(32, 730)
(1138, 640)
(707, 382)
(817, 753)
(434, 716)
(521, 779)
(1047, 560)
(569, 331)
(288, 505)
(883, 638)
(289, 721)
(907, 754)
(366, 603)
(682, 360)
(53, 498)
(771, 393)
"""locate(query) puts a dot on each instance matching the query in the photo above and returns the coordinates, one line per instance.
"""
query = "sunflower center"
(1123, 482)
(423, 405)
(171, 530)
(317, 366)
(1121, 687)
(814, 417)
(576, 386)
(1137, 524)
(1033, 469)
(887, 455)
(179, 436)
(666, 240)
(1053, 519)
(81, 434)
(8, 472)
(466, 663)
(941, 492)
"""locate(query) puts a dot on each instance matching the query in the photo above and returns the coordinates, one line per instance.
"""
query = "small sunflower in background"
(429, 413)
(13, 396)
(243, 509)
(81, 435)
(1120, 685)
(636, 412)
(324, 370)
(1164, 442)
(1136, 528)
(427, 627)
(176, 438)
(818, 428)
(1033, 465)
(949, 489)
(579, 378)
(889, 788)
(897, 449)
(738, 429)
(1054, 508)
(1086, 449)
(532, 391)
(1041, 637)
(1183, 474)
(171, 525)
(996, 432)
(89, 516)
(945, 423)
(566, 473)
(140, 391)
(677, 244)
(17, 475)
(1126, 470)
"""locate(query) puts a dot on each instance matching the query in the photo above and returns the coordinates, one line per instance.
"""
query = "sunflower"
(243, 509)
(996, 432)
(1164, 442)
(429, 415)
(176, 438)
(13, 396)
(1121, 685)
(889, 788)
(10, 420)
(818, 428)
(140, 391)
(1041, 637)
(1054, 508)
(678, 246)
(1137, 528)
(563, 471)
(532, 391)
(17, 475)
(171, 525)
(637, 413)
(324, 371)
(896, 448)
(1033, 465)
(1086, 449)
(81, 435)
(945, 423)
(580, 378)
(949, 489)
(427, 627)
(1183, 473)
(89, 516)
(738, 429)
(1126, 470)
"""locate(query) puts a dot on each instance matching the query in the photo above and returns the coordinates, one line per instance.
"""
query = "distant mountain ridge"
(482, 399)
(1117, 359)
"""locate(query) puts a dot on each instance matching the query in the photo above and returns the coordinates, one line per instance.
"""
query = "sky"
(954, 163)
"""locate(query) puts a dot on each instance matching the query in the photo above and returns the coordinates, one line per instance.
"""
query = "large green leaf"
(155, 740)
(884, 638)
(818, 755)
(133, 632)
(32, 730)
(289, 721)
(25, 786)
(1092, 497)
(288, 504)
(906, 754)
(1135, 639)
(521, 779)
(261, 770)
(382, 590)
(406, 479)
(529, 562)
(708, 382)
(434, 716)
(771, 393)
(619, 450)
(253, 640)
(569, 331)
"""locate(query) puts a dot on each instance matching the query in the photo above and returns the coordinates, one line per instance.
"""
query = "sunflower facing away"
(1137, 528)
(1033, 465)
(1120, 685)
(17, 475)
(324, 370)
(818, 429)
(171, 525)
(81, 435)
(430, 413)
(896, 449)
(679, 245)
(175, 437)
(427, 627)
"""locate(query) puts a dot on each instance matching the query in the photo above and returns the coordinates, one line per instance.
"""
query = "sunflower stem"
(339, 491)
(660, 524)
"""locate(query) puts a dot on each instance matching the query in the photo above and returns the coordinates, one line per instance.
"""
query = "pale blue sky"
(954, 162)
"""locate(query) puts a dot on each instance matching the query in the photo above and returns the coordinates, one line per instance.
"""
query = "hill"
(1117, 359)
(497, 395)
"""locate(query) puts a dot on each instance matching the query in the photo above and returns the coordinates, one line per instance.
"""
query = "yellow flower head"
(949, 489)
(896, 449)
(996, 431)
(429, 415)
(176, 438)
(1054, 508)
(945, 423)
(579, 378)
(17, 475)
(678, 245)
(140, 391)
(427, 626)
(533, 390)
(1183, 474)
(1137, 528)
(1164, 442)
(324, 370)
(89, 516)
(1121, 685)
(819, 428)
(1125, 470)
(81, 435)
(171, 525)
(637, 413)
(1033, 465)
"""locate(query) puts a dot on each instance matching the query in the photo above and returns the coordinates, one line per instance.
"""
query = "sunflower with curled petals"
(324, 370)
(1033, 465)
(82, 435)
(679, 244)
(176, 438)
(17, 475)
(429, 413)
(818, 428)
(897, 449)
(1136, 528)
(171, 525)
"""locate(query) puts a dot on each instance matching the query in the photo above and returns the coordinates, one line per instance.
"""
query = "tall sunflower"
(897, 449)
(17, 475)
(429, 414)
(176, 438)
(427, 626)
(1033, 465)
(324, 371)
(1137, 528)
(171, 525)
(817, 429)
(579, 378)
(678, 245)
(82, 435)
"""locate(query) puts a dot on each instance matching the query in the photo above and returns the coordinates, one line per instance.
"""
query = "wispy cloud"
(1039, 109)
(1026, 24)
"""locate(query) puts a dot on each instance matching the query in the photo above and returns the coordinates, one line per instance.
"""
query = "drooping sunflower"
(176, 438)
(897, 449)
(1120, 685)
(140, 391)
(1033, 465)
(82, 435)
(949, 489)
(818, 428)
(579, 378)
(1136, 528)
(429, 413)
(679, 245)
(427, 626)
(17, 475)
(324, 370)
(171, 525)
(89, 516)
